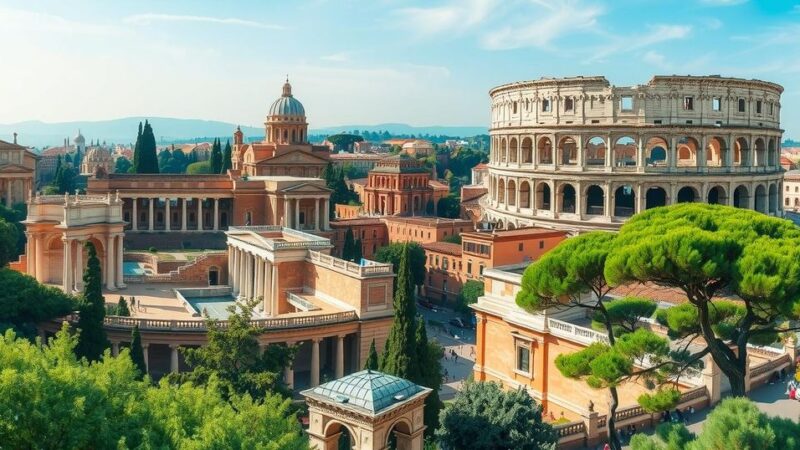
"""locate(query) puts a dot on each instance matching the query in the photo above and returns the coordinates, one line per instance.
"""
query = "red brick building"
(401, 186)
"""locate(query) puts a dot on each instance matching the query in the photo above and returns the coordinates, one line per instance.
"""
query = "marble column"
(339, 356)
(326, 215)
(274, 296)
(30, 252)
(110, 264)
(315, 362)
(145, 351)
(173, 358)
(79, 266)
(39, 260)
(199, 214)
(248, 285)
(120, 258)
(183, 213)
(286, 223)
(297, 214)
(316, 214)
(233, 275)
(268, 288)
(135, 215)
(66, 277)
(259, 281)
(167, 214)
(216, 214)
(150, 215)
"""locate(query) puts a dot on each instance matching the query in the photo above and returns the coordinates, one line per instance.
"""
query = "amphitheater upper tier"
(583, 154)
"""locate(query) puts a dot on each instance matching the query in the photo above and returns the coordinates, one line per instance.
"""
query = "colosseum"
(580, 154)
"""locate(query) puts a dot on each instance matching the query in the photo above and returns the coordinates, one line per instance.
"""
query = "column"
(39, 260)
(135, 215)
(173, 358)
(315, 362)
(119, 257)
(326, 214)
(150, 215)
(296, 214)
(233, 275)
(145, 348)
(9, 185)
(114, 348)
(30, 252)
(286, 213)
(110, 264)
(339, 356)
(79, 267)
(66, 276)
(268, 287)
(248, 284)
(242, 271)
(167, 214)
(259, 282)
(183, 214)
(275, 290)
(216, 214)
(288, 371)
(316, 214)
(199, 214)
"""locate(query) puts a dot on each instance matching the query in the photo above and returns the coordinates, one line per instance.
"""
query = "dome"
(97, 154)
(79, 139)
(370, 390)
(287, 105)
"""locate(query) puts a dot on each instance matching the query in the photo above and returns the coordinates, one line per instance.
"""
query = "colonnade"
(292, 208)
(214, 223)
(73, 265)
(8, 185)
(253, 276)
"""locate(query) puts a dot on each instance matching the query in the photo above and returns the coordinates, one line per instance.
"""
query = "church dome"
(287, 105)
(79, 139)
(97, 154)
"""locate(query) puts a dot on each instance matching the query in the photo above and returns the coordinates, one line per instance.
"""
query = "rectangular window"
(716, 104)
(541, 245)
(520, 246)
(444, 263)
(523, 357)
(569, 104)
(758, 106)
(480, 269)
(469, 267)
(771, 108)
(437, 260)
(741, 105)
(545, 105)
(657, 122)
(626, 103)
(595, 120)
(688, 103)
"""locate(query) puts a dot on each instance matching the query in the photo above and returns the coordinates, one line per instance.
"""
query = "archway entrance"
(595, 200)
(716, 196)
(655, 197)
(567, 199)
(741, 198)
(213, 276)
(687, 195)
(624, 201)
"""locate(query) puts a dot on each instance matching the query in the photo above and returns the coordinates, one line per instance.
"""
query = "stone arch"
(773, 199)
(687, 151)
(761, 199)
(595, 200)
(741, 197)
(687, 194)
(511, 226)
(624, 153)
(760, 153)
(214, 276)
(401, 426)
(543, 196)
(717, 196)
(654, 197)
(344, 431)
(595, 152)
(499, 224)
(566, 194)
(501, 191)
(545, 150)
(656, 152)
(524, 194)
(624, 201)
(512, 150)
(511, 195)
(503, 155)
(567, 151)
(772, 153)
(527, 150)
(741, 152)
(716, 152)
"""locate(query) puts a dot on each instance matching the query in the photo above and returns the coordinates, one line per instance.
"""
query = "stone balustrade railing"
(574, 332)
(371, 268)
(769, 366)
(570, 429)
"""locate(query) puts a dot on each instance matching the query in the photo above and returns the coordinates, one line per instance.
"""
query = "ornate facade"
(17, 173)
(582, 154)
(401, 186)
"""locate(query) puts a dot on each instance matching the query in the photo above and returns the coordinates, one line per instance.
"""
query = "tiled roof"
(448, 248)
(356, 222)
(516, 233)
(369, 390)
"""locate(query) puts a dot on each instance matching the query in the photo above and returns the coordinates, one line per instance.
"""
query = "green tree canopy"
(9, 236)
(24, 302)
(122, 307)
(372, 358)
(57, 401)
(349, 242)
(400, 358)
(199, 168)
(92, 308)
(706, 250)
(144, 152)
(470, 292)
(137, 352)
(122, 165)
(227, 158)
(344, 141)
(391, 254)
(216, 157)
(449, 207)
(485, 417)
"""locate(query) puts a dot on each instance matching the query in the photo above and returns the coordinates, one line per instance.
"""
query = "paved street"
(463, 343)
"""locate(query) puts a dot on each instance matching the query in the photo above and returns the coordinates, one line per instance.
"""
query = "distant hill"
(123, 131)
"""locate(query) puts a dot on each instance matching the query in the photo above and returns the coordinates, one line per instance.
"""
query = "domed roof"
(287, 105)
(79, 138)
(97, 154)
(370, 390)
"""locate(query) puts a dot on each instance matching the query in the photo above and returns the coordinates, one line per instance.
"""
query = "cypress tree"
(227, 158)
(430, 375)
(137, 354)
(216, 157)
(347, 249)
(58, 179)
(358, 251)
(122, 307)
(372, 359)
(92, 341)
(400, 357)
(137, 151)
(148, 158)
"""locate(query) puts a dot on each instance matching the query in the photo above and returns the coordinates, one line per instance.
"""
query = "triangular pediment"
(305, 188)
(14, 168)
(295, 157)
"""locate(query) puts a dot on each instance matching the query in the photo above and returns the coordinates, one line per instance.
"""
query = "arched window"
(595, 152)
(595, 201)
(624, 153)
(624, 201)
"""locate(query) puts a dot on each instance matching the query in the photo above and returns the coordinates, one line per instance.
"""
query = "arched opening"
(545, 149)
(524, 194)
(687, 152)
(503, 155)
(527, 150)
(624, 201)
(655, 153)
(741, 197)
(596, 152)
(624, 152)
(567, 152)
(687, 194)
(213, 276)
(567, 198)
(501, 191)
(345, 440)
(499, 225)
(773, 199)
(510, 226)
(717, 196)
(772, 153)
(655, 197)
(399, 433)
(796, 202)
(715, 152)
(761, 199)
(760, 154)
(595, 201)
(512, 150)
(512, 193)
(741, 152)
(543, 196)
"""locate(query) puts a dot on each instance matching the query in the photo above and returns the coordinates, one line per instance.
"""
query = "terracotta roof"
(473, 201)
(356, 222)
(448, 248)
(54, 151)
(369, 156)
(437, 184)
(481, 166)
(516, 233)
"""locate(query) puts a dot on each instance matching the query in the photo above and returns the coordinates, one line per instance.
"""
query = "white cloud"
(655, 59)
(551, 22)
(29, 21)
(147, 19)
(451, 16)
(654, 35)
(713, 23)
(722, 2)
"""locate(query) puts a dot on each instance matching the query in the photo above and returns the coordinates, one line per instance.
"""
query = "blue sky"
(368, 62)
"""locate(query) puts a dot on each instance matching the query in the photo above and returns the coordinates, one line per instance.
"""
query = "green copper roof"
(370, 390)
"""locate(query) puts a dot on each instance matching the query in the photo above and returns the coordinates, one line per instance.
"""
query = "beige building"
(583, 154)
(97, 161)
(418, 147)
(791, 191)
(17, 173)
